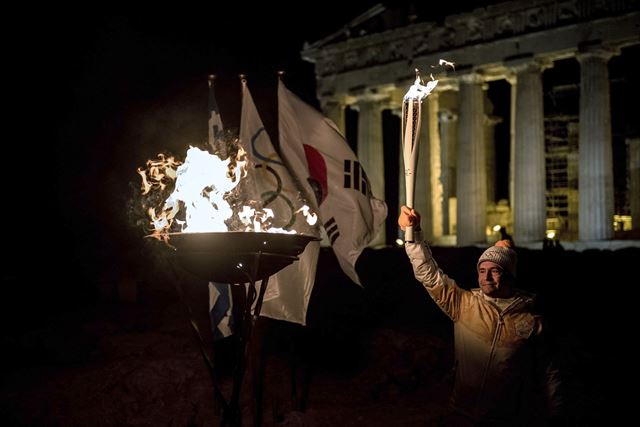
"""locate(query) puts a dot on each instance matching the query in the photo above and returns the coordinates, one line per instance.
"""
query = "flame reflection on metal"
(212, 255)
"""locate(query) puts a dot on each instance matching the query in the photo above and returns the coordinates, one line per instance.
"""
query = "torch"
(411, 114)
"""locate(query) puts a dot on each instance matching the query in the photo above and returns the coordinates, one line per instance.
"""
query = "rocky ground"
(377, 356)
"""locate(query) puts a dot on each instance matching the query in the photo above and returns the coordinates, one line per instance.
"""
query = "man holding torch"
(503, 371)
(503, 374)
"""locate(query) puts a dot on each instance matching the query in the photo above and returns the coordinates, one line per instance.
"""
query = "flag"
(322, 162)
(288, 292)
(215, 122)
(220, 299)
(220, 310)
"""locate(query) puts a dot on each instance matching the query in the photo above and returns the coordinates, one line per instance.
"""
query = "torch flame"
(447, 64)
(417, 91)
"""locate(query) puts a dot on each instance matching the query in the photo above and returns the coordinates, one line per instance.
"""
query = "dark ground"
(377, 356)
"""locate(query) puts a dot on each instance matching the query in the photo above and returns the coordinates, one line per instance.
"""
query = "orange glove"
(408, 216)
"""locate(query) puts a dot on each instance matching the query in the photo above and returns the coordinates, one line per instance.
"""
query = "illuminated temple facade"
(533, 130)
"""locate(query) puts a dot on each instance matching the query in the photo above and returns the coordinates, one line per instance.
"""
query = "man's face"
(493, 281)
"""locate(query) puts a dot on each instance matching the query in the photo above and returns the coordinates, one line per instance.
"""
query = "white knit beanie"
(501, 254)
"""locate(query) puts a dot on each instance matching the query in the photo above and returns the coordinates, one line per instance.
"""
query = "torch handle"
(410, 143)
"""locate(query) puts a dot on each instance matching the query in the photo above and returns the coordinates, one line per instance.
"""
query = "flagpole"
(215, 121)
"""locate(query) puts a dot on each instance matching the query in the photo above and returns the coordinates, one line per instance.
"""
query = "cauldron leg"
(244, 347)
(196, 331)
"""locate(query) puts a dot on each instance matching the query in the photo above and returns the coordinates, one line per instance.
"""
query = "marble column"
(448, 121)
(512, 140)
(490, 123)
(432, 135)
(471, 165)
(371, 152)
(529, 184)
(595, 176)
(634, 181)
(334, 110)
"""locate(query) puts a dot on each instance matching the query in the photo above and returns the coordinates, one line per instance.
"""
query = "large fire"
(203, 186)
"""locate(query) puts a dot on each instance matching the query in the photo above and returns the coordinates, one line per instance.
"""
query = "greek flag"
(220, 300)
(220, 308)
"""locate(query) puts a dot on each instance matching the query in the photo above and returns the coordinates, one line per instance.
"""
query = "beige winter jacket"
(502, 372)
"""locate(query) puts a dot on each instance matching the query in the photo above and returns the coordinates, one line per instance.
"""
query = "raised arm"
(444, 290)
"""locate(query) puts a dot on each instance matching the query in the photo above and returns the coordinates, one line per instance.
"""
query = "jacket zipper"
(490, 359)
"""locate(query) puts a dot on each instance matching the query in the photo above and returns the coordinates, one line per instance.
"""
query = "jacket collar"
(521, 298)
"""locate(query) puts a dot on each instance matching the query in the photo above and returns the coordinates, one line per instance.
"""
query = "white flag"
(322, 161)
(288, 292)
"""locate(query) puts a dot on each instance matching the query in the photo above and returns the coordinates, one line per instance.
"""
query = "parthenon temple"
(535, 129)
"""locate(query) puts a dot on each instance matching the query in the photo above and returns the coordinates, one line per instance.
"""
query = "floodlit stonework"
(568, 189)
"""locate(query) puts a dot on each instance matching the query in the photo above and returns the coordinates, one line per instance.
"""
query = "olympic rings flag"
(288, 292)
